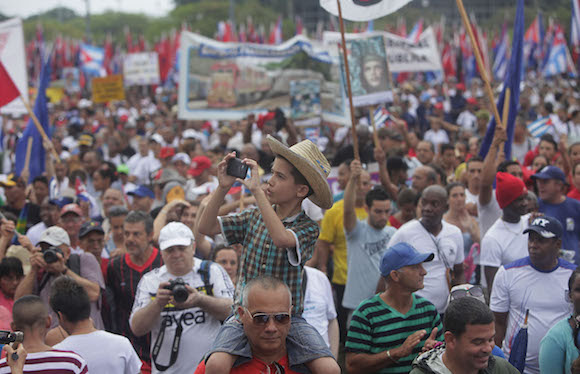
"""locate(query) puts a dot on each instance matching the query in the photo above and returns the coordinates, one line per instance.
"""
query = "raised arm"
(489, 166)
(208, 222)
(349, 216)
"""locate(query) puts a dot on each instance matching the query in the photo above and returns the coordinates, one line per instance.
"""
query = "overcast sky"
(25, 8)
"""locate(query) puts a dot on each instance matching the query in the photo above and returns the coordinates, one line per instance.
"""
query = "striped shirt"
(53, 361)
(376, 327)
(261, 257)
(123, 276)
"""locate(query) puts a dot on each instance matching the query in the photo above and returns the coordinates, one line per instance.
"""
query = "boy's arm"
(208, 222)
(349, 217)
(490, 167)
(281, 237)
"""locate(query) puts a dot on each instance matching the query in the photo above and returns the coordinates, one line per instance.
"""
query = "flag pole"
(347, 74)
(39, 126)
(479, 60)
(26, 169)
(506, 111)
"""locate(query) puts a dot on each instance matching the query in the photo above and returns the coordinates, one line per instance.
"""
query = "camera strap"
(174, 345)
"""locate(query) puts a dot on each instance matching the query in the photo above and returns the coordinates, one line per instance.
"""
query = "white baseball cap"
(183, 157)
(55, 236)
(175, 233)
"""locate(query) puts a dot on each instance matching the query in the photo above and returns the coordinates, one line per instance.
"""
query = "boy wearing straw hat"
(277, 238)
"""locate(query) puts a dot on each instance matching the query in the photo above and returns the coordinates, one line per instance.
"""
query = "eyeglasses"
(475, 291)
(262, 319)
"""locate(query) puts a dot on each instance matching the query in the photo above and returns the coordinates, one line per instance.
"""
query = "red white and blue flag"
(540, 126)
(416, 32)
(276, 33)
(559, 60)
(363, 10)
(500, 61)
(575, 31)
(533, 43)
(92, 60)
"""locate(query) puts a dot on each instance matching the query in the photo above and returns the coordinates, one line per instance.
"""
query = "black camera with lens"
(236, 168)
(7, 337)
(50, 254)
(178, 289)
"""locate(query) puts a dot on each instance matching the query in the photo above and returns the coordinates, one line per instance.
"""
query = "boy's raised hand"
(224, 179)
(253, 183)
(355, 169)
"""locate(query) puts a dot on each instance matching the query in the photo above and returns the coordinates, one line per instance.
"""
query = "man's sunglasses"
(262, 319)
(475, 291)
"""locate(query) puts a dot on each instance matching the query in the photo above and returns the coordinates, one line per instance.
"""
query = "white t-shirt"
(115, 354)
(450, 243)
(53, 361)
(467, 120)
(318, 302)
(144, 168)
(199, 327)
(504, 242)
(518, 287)
(436, 137)
(470, 198)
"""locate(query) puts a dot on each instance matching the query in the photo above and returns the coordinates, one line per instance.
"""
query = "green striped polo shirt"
(376, 327)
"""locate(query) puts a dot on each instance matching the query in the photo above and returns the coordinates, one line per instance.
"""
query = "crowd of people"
(140, 250)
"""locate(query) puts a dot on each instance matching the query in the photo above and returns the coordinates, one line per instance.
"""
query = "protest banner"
(402, 54)
(108, 88)
(228, 81)
(141, 69)
(14, 59)
(55, 94)
(305, 108)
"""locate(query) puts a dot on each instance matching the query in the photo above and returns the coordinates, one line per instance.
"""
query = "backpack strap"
(74, 263)
(204, 272)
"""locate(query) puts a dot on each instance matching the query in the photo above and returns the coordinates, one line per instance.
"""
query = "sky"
(26, 8)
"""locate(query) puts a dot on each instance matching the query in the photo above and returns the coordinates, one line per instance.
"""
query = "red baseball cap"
(71, 208)
(167, 152)
(472, 100)
(198, 165)
(460, 86)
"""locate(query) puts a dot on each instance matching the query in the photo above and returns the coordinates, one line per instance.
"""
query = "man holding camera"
(180, 303)
(55, 259)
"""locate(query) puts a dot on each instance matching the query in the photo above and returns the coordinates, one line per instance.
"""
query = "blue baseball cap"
(550, 172)
(401, 255)
(142, 191)
(546, 226)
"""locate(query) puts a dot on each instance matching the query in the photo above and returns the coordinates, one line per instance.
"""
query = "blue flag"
(37, 155)
(512, 81)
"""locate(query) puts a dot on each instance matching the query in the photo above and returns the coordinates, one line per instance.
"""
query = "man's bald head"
(435, 191)
(29, 312)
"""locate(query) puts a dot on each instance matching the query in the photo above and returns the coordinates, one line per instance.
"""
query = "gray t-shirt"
(91, 271)
(365, 247)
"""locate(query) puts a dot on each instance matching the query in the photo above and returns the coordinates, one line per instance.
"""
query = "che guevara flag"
(363, 10)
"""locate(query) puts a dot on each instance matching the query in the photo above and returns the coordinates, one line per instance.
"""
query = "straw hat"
(311, 163)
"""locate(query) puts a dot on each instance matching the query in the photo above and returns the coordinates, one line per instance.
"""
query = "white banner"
(402, 54)
(140, 69)
(14, 59)
(363, 10)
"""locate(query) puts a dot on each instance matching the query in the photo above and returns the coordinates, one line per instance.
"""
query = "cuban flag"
(416, 32)
(382, 115)
(540, 126)
(533, 43)
(276, 33)
(575, 31)
(92, 60)
(500, 62)
(559, 60)
(363, 10)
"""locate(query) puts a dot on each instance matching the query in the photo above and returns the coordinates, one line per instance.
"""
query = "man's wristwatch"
(65, 271)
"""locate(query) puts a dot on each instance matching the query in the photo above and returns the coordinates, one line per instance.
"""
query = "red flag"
(8, 90)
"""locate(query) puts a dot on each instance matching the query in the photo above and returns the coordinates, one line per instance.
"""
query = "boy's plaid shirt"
(261, 257)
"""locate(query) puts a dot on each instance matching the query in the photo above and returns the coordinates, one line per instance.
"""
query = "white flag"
(13, 57)
(363, 10)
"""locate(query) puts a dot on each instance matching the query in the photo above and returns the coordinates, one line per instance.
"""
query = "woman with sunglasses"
(559, 348)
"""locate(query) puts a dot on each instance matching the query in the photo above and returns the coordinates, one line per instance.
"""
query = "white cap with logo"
(175, 233)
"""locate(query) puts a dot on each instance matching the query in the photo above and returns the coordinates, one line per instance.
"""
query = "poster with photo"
(305, 107)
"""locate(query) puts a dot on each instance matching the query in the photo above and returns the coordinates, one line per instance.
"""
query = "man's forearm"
(500, 327)
(349, 217)
(219, 308)
(208, 222)
(26, 286)
(323, 248)
(334, 337)
(364, 363)
(145, 319)
(93, 289)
